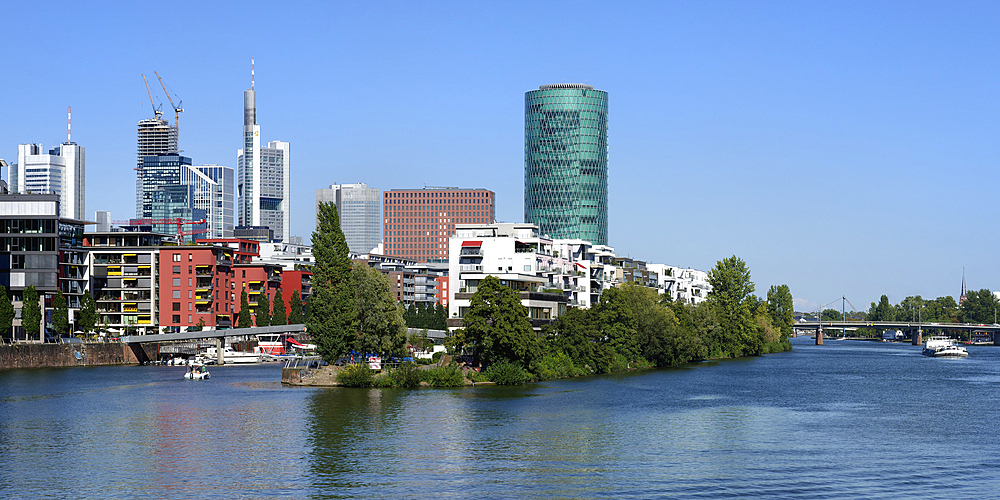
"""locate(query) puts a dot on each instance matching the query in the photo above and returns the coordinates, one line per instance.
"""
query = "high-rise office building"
(566, 161)
(359, 209)
(155, 138)
(214, 193)
(157, 171)
(418, 222)
(263, 182)
(61, 170)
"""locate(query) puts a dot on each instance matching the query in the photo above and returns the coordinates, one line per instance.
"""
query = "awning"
(580, 265)
(472, 243)
(294, 342)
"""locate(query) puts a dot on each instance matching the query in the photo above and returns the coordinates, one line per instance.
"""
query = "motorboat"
(231, 356)
(199, 373)
(944, 347)
(279, 344)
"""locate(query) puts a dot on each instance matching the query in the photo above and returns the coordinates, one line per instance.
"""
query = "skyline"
(734, 129)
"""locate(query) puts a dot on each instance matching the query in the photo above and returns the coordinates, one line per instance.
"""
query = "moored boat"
(943, 347)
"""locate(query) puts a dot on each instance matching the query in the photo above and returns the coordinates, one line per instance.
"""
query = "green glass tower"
(566, 161)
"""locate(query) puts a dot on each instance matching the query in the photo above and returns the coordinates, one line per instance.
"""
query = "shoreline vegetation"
(632, 327)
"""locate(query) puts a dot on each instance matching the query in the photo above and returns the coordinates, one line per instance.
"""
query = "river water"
(849, 419)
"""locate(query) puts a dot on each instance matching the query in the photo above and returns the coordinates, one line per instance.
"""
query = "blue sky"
(842, 148)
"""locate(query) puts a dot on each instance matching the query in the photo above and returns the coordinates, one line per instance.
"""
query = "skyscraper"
(418, 222)
(263, 182)
(214, 193)
(61, 171)
(155, 137)
(566, 161)
(360, 214)
(158, 171)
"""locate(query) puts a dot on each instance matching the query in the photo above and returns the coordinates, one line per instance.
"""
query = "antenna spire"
(251, 73)
(69, 124)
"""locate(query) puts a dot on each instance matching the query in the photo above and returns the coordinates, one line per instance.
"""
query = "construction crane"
(177, 107)
(156, 110)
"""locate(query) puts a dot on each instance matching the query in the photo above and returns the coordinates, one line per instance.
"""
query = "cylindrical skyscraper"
(566, 161)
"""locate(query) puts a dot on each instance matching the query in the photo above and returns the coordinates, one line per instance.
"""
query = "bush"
(407, 375)
(424, 361)
(556, 365)
(384, 380)
(436, 356)
(476, 376)
(507, 373)
(356, 375)
(445, 376)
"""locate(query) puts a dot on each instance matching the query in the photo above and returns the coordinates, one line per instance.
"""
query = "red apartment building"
(418, 222)
(196, 285)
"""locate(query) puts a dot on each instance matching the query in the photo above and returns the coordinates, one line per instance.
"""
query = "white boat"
(197, 374)
(231, 356)
(279, 344)
(944, 347)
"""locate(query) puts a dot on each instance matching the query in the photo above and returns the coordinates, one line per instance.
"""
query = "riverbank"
(15, 356)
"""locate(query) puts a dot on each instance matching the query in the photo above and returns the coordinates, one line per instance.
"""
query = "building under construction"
(156, 137)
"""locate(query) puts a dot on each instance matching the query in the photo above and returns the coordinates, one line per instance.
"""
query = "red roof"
(472, 243)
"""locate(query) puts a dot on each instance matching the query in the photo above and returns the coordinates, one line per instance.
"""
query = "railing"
(470, 267)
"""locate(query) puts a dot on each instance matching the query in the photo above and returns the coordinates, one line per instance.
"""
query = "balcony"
(471, 268)
(471, 252)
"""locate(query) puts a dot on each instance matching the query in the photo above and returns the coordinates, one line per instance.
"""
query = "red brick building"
(418, 222)
(196, 286)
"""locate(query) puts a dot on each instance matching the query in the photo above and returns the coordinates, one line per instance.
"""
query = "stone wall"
(51, 355)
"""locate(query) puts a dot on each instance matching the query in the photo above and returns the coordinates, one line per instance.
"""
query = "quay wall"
(54, 355)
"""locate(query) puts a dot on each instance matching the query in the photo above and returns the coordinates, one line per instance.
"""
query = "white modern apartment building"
(286, 255)
(215, 194)
(688, 285)
(61, 170)
(360, 210)
(520, 258)
(263, 181)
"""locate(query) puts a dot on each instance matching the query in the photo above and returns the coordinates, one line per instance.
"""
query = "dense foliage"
(31, 313)
(331, 316)
(279, 315)
(243, 318)
(262, 313)
(86, 318)
(379, 326)
(296, 313)
(60, 314)
(6, 312)
(632, 327)
(426, 316)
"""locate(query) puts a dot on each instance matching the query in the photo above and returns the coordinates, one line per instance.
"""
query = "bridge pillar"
(220, 357)
(819, 336)
(918, 338)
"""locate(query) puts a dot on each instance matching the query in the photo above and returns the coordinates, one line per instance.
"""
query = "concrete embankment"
(324, 376)
(54, 355)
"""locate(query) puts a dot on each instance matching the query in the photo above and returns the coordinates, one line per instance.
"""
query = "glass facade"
(158, 171)
(566, 161)
(360, 211)
(213, 193)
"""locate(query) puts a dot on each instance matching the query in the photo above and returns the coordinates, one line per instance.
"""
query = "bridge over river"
(218, 335)
(819, 326)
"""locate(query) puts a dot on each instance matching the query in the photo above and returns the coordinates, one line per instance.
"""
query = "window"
(177, 282)
(190, 306)
(189, 318)
(177, 294)
(176, 318)
(190, 257)
(190, 294)
(244, 273)
(176, 306)
(177, 257)
(190, 282)
(177, 269)
(189, 269)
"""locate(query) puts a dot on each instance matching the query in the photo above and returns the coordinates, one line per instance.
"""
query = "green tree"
(380, 325)
(296, 313)
(619, 326)
(263, 316)
(60, 314)
(243, 319)
(497, 326)
(86, 319)
(731, 297)
(781, 309)
(332, 315)
(832, 315)
(883, 311)
(31, 313)
(6, 312)
(440, 317)
(979, 306)
(280, 314)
